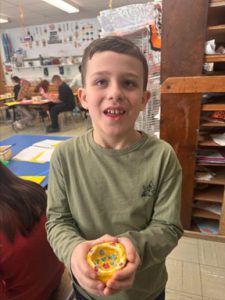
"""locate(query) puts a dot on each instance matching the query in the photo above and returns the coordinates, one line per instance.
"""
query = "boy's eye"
(129, 83)
(101, 82)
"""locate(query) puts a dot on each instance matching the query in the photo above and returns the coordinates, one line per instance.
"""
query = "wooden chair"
(64, 117)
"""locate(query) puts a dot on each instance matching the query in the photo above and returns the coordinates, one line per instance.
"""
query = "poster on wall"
(54, 38)
(62, 39)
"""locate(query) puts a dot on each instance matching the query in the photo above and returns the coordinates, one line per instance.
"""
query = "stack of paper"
(39, 152)
(207, 226)
(215, 208)
(205, 156)
(203, 173)
(219, 138)
(47, 143)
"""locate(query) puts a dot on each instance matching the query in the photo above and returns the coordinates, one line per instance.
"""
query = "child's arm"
(66, 241)
(62, 232)
(49, 96)
(158, 239)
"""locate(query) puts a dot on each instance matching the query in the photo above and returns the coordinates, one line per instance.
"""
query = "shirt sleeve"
(62, 231)
(158, 239)
(3, 290)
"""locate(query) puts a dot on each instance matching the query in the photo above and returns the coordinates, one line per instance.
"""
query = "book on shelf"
(213, 117)
(218, 115)
(203, 173)
(215, 208)
(207, 226)
(211, 156)
(219, 138)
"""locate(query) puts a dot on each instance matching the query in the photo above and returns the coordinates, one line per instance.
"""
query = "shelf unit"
(217, 3)
(208, 142)
(214, 58)
(183, 85)
(199, 213)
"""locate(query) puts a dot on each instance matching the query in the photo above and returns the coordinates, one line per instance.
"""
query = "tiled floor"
(68, 126)
(196, 267)
(196, 270)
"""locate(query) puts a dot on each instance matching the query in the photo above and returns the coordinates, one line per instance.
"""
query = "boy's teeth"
(115, 111)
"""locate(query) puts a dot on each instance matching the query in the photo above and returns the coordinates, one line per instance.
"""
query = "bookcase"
(187, 25)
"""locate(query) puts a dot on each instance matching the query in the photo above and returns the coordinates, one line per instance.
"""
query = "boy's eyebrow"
(101, 73)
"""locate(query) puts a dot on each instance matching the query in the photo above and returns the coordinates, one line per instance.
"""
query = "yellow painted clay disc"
(106, 258)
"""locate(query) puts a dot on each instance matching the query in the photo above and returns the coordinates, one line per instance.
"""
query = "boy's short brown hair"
(116, 44)
(56, 77)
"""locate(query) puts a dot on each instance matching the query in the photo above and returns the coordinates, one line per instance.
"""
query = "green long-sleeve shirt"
(134, 192)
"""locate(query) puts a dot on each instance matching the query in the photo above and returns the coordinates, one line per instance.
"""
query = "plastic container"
(5, 152)
(106, 259)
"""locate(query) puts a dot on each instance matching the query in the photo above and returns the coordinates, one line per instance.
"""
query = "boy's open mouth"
(114, 112)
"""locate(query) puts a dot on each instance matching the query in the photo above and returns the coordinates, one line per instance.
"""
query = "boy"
(63, 102)
(115, 183)
(22, 91)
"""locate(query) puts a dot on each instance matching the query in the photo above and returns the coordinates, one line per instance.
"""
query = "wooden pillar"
(184, 25)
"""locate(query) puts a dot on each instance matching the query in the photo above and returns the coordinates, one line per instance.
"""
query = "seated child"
(115, 183)
(16, 86)
(16, 89)
(64, 101)
(26, 114)
(43, 89)
(29, 268)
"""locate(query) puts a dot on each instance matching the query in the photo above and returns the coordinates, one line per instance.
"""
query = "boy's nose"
(115, 92)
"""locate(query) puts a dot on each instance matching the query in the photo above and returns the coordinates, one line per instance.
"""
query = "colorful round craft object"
(106, 259)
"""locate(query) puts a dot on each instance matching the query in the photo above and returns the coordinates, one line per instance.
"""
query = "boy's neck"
(117, 142)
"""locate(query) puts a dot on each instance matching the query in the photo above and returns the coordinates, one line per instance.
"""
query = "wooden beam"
(177, 129)
(222, 219)
(216, 28)
(184, 28)
(195, 84)
(215, 58)
(217, 3)
(213, 107)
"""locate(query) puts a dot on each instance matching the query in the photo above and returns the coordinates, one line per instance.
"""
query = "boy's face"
(56, 83)
(113, 93)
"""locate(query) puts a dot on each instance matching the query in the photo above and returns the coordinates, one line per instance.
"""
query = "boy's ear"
(81, 93)
(145, 98)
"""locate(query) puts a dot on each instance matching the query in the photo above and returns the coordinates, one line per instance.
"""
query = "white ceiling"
(37, 12)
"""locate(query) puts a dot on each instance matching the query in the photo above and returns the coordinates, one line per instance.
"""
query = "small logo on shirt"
(148, 190)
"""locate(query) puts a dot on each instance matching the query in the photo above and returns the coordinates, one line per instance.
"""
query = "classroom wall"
(62, 39)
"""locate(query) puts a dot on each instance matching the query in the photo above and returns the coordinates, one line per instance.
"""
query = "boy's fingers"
(96, 287)
(88, 271)
(120, 285)
(123, 274)
(106, 238)
(130, 250)
(79, 262)
(108, 291)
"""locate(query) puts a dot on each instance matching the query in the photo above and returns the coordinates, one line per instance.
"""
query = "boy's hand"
(84, 274)
(124, 278)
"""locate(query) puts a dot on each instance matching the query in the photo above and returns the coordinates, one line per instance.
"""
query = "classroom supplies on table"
(39, 152)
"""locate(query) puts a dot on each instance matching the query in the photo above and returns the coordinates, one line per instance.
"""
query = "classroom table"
(6, 97)
(37, 105)
(24, 168)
